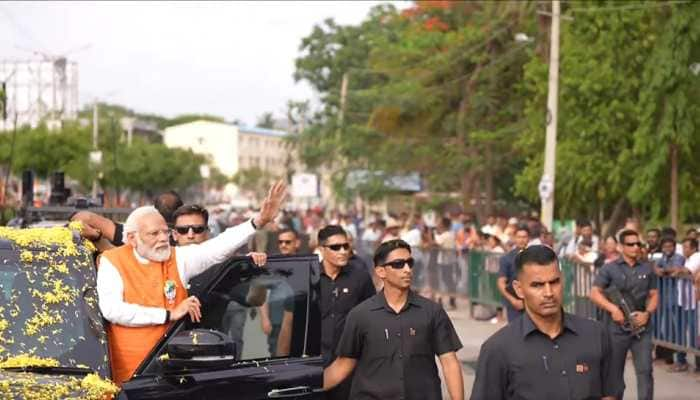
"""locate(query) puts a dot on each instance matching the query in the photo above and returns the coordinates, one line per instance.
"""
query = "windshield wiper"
(52, 370)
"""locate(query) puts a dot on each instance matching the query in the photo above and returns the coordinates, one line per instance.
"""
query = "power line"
(638, 6)
(22, 31)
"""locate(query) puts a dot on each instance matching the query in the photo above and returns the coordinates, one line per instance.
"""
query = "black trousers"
(641, 348)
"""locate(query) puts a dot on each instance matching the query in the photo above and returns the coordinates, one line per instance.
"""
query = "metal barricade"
(483, 274)
(675, 322)
(581, 283)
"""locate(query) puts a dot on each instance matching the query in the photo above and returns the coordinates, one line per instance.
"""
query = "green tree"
(669, 101)
(431, 89)
(625, 99)
(44, 151)
(253, 180)
(217, 178)
(150, 168)
(266, 120)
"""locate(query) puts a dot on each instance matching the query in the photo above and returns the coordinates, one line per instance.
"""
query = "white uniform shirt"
(191, 261)
(686, 291)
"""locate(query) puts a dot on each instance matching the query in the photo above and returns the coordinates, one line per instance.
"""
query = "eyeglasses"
(197, 229)
(155, 233)
(284, 241)
(631, 244)
(337, 247)
(398, 264)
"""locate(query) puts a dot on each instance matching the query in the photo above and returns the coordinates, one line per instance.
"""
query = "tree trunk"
(616, 215)
(674, 185)
(467, 190)
(488, 182)
(476, 194)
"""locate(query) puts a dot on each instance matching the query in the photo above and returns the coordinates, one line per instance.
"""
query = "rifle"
(616, 296)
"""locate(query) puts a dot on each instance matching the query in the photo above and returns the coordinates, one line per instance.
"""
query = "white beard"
(152, 253)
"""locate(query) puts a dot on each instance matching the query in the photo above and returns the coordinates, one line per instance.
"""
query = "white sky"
(232, 59)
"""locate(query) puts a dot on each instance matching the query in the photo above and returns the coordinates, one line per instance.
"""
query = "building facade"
(232, 148)
(265, 149)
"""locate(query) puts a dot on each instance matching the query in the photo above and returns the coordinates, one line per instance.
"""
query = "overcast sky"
(233, 59)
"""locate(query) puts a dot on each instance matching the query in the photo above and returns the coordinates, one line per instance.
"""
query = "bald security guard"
(393, 338)
(545, 354)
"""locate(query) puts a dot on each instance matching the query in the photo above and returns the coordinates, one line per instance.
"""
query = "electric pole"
(343, 95)
(95, 152)
(547, 183)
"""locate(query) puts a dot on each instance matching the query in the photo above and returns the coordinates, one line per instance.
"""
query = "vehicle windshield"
(49, 303)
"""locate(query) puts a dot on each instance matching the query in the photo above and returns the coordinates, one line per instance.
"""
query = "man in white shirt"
(585, 233)
(447, 259)
(687, 302)
(142, 286)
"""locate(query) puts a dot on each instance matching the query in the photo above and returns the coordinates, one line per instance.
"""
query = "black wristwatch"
(167, 316)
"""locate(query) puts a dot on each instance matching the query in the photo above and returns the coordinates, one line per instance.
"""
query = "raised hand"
(271, 204)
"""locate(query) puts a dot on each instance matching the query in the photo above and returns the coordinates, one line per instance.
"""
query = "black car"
(259, 337)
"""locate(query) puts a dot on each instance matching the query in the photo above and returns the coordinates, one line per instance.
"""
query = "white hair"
(131, 225)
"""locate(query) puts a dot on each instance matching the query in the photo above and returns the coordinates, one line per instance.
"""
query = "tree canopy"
(445, 89)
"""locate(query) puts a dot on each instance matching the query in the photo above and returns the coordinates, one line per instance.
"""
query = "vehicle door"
(270, 314)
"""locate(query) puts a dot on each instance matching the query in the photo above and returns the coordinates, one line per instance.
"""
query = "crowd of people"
(348, 245)
(146, 264)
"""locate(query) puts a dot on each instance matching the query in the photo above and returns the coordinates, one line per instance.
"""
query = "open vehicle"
(53, 341)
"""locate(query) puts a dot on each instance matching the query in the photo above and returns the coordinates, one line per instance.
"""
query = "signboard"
(304, 185)
(96, 157)
(546, 187)
(403, 183)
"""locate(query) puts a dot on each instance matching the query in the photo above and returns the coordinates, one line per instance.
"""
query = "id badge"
(170, 290)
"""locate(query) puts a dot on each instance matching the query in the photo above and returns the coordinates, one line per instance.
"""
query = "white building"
(265, 149)
(232, 148)
(216, 140)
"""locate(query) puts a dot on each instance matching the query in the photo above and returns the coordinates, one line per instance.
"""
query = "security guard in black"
(350, 287)
(396, 351)
(343, 286)
(521, 362)
(545, 354)
(390, 341)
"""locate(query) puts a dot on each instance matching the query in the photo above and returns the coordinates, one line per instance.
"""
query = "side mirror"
(199, 348)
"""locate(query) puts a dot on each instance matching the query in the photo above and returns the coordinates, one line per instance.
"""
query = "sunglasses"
(337, 247)
(398, 264)
(197, 229)
(284, 241)
(638, 244)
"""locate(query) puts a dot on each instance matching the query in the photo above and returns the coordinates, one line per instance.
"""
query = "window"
(257, 315)
(262, 310)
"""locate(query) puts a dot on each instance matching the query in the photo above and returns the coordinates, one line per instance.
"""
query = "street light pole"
(547, 184)
(94, 147)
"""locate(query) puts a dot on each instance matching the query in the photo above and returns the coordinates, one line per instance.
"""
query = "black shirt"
(396, 352)
(636, 281)
(351, 287)
(520, 362)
